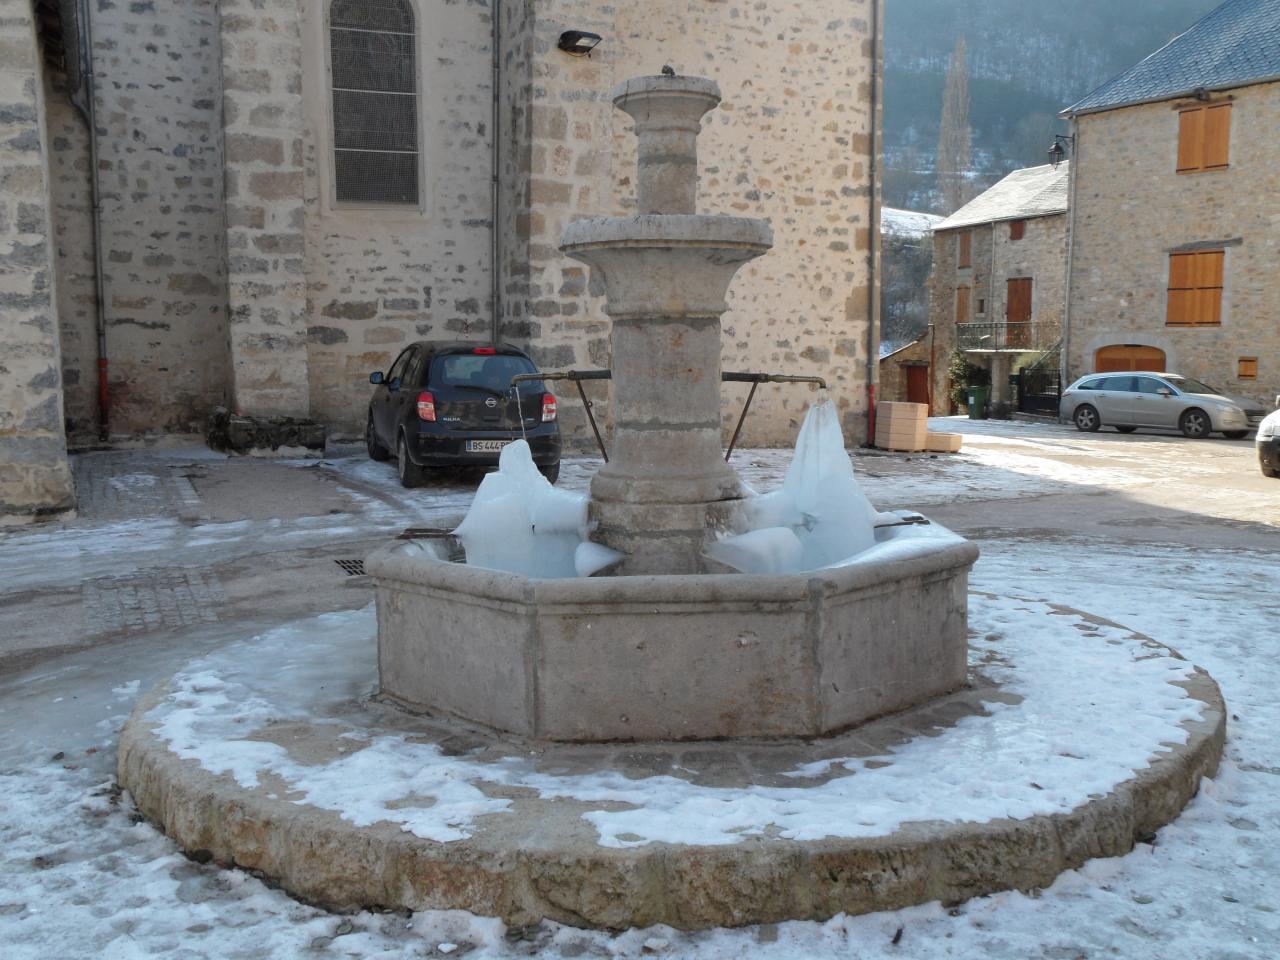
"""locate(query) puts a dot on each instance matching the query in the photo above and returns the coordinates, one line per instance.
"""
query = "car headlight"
(1268, 429)
(1234, 414)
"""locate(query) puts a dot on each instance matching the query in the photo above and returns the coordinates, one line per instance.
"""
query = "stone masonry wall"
(381, 277)
(893, 369)
(1133, 209)
(70, 199)
(790, 142)
(1041, 254)
(266, 274)
(33, 456)
(160, 161)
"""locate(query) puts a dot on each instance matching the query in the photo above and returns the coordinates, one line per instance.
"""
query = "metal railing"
(727, 376)
(993, 337)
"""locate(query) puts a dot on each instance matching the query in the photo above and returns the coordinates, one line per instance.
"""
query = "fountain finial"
(668, 113)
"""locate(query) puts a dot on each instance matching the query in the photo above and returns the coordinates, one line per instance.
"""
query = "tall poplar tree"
(955, 139)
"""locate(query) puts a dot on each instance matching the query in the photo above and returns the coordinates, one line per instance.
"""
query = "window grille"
(375, 101)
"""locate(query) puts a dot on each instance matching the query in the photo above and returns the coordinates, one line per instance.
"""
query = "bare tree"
(955, 146)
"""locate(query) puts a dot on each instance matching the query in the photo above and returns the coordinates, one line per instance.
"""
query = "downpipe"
(85, 99)
(495, 203)
(873, 239)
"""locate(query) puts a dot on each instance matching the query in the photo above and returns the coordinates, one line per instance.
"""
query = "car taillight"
(485, 351)
(548, 408)
(426, 407)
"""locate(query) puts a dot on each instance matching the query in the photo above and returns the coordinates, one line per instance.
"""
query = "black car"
(452, 404)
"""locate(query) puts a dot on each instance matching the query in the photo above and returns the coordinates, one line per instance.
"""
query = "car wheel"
(376, 450)
(1125, 429)
(1086, 418)
(1235, 434)
(1195, 424)
(1268, 471)
(411, 475)
(552, 472)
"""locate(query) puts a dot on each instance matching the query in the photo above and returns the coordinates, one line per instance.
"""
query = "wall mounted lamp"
(578, 43)
(1058, 149)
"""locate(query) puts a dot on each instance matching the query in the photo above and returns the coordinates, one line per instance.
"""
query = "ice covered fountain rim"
(904, 551)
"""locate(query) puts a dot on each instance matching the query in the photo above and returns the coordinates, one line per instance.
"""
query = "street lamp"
(1058, 149)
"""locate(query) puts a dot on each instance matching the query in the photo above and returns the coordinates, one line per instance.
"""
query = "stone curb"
(529, 868)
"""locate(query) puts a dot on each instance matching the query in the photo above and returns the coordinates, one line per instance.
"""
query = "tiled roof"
(1236, 44)
(1031, 192)
(910, 224)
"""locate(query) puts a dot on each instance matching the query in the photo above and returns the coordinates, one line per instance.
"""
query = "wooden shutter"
(1190, 139)
(1017, 229)
(966, 249)
(1247, 368)
(962, 304)
(1217, 136)
(1195, 289)
(1204, 138)
(1018, 303)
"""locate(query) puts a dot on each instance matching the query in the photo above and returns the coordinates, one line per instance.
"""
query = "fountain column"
(666, 271)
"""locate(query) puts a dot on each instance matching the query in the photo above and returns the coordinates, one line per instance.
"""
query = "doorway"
(1124, 357)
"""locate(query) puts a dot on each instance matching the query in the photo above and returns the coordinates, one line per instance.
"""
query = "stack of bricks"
(901, 426)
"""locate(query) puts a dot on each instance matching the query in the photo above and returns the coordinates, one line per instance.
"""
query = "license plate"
(486, 446)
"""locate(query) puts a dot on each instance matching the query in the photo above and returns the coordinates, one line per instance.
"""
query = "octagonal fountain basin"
(676, 657)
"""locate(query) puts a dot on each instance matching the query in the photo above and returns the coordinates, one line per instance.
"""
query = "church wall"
(381, 277)
(791, 142)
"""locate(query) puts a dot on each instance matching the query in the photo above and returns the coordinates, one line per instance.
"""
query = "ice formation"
(819, 517)
(520, 523)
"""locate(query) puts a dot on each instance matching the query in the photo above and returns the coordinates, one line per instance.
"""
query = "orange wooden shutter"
(1217, 136)
(966, 249)
(1248, 368)
(1190, 139)
(1017, 229)
(962, 304)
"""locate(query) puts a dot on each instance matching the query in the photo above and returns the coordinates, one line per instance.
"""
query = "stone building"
(1176, 210)
(997, 291)
(290, 192)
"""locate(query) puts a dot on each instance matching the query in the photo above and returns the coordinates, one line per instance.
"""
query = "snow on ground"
(81, 877)
(1064, 743)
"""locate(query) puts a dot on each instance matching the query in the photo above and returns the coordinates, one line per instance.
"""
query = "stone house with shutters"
(997, 291)
(277, 197)
(1175, 210)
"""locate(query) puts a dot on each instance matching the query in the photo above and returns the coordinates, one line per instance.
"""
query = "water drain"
(354, 568)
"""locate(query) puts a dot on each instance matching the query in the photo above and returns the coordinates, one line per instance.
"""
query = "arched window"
(375, 101)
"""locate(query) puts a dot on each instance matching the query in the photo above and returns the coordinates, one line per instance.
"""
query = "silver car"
(1127, 401)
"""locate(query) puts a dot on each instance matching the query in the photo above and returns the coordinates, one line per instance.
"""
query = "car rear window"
(492, 372)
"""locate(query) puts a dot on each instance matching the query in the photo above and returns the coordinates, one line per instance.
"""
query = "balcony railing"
(1014, 337)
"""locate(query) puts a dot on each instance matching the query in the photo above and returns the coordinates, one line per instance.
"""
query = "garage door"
(1128, 356)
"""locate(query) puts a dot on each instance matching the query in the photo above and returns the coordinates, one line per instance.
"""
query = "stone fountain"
(671, 646)
(670, 742)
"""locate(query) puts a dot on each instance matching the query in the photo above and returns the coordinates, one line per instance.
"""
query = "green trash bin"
(978, 403)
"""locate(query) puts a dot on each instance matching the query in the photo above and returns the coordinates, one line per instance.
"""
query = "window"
(1247, 368)
(1017, 229)
(966, 250)
(982, 307)
(398, 368)
(1150, 385)
(375, 101)
(1195, 289)
(1204, 136)
(962, 304)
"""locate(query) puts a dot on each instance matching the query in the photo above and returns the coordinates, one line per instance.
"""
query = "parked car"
(452, 404)
(1127, 401)
(1268, 443)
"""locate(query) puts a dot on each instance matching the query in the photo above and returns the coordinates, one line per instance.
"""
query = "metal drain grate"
(354, 568)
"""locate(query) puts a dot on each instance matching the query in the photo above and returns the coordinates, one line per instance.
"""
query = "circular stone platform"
(1074, 738)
